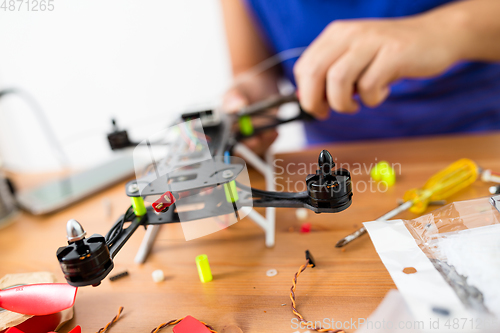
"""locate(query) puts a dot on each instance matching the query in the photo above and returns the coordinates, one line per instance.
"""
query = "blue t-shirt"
(466, 98)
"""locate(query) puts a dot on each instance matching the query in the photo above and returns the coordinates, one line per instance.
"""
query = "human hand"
(366, 56)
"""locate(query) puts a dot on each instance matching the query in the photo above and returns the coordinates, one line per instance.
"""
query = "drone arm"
(332, 206)
(126, 234)
(266, 104)
(304, 116)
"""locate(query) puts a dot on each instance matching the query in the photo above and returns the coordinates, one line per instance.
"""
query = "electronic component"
(310, 258)
(118, 276)
(166, 200)
(87, 261)
(208, 118)
(118, 139)
(311, 325)
(330, 189)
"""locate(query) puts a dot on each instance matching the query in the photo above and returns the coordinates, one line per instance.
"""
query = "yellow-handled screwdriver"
(442, 185)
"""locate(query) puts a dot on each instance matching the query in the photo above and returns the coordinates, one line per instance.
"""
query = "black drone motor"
(85, 261)
(118, 139)
(330, 189)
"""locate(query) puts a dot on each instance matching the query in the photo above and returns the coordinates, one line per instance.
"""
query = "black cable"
(264, 115)
(117, 229)
(271, 194)
(279, 121)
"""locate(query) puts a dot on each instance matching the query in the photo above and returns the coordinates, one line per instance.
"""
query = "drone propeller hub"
(74, 231)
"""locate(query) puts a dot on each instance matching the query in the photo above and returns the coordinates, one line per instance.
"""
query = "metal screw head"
(132, 188)
(74, 231)
(227, 174)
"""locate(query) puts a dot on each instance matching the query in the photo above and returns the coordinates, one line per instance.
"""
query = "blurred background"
(141, 62)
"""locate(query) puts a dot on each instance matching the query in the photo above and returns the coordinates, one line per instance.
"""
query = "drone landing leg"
(147, 243)
(268, 223)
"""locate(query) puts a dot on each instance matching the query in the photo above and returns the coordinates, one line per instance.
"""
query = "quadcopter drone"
(200, 176)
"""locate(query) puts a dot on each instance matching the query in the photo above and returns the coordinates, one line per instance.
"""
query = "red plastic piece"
(41, 324)
(305, 228)
(163, 204)
(14, 330)
(38, 299)
(77, 329)
(190, 325)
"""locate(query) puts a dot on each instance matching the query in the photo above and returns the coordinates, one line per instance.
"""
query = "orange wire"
(176, 321)
(114, 320)
(309, 325)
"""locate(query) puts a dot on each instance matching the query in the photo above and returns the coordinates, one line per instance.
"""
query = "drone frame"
(86, 261)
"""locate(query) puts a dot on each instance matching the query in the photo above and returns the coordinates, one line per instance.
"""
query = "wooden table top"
(346, 284)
